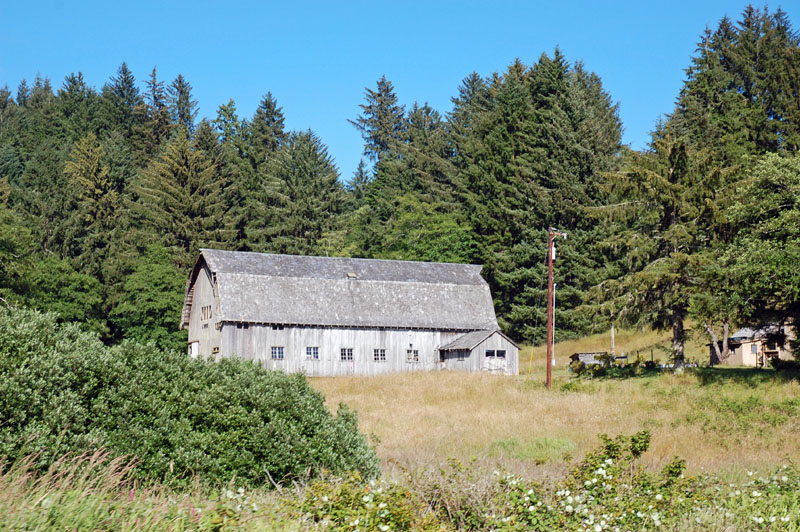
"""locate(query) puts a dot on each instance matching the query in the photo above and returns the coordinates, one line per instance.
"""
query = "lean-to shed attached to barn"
(342, 316)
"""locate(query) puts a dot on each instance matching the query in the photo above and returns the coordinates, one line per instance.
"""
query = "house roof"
(469, 340)
(754, 333)
(333, 291)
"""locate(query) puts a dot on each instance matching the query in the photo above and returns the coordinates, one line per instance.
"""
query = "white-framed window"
(346, 354)
(277, 352)
(412, 355)
(379, 355)
(312, 353)
(500, 353)
(490, 353)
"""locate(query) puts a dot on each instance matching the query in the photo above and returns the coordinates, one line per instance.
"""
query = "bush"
(62, 391)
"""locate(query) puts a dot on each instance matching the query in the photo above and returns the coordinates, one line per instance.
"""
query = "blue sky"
(317, 57)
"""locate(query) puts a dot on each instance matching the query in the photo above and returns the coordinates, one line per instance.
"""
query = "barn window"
(347, 353)
(412, 355)
(490, 353)
(277, 352)
(205, 312)
(462, 354)
(500, 353)
(379, 355)
(215, 350)
(753, 348)
(312, 353)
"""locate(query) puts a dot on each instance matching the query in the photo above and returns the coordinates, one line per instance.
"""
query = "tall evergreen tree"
(180, 201)
(122, 103)
(157, 127)
(97, 204)
(381, 122)
(182, 106)
(660, 235)
(265, 130)
(299, 200)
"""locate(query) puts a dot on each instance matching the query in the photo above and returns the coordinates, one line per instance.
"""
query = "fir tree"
(157, 127)
(381, 122)
(122, 102)
(180, 201)
(98, 203)
(266, 130)
(182, 106)
(299, 200)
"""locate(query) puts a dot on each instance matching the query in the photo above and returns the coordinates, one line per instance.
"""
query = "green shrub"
(62, 391)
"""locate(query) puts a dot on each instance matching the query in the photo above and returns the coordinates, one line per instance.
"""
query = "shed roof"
(469, 340)
(333, 291)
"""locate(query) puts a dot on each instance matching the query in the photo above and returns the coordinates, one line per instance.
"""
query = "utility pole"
(551, 255)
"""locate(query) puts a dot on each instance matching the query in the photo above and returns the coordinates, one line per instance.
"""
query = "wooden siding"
(255, 342)
(476, 359)
(203, 325)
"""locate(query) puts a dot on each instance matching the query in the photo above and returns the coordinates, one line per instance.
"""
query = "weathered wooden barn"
(342, 316)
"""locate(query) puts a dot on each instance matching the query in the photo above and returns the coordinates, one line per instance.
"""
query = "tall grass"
(715, 419)
(95, 492)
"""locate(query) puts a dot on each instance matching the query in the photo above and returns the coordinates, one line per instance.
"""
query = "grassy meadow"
(443, 437)
(719, 420)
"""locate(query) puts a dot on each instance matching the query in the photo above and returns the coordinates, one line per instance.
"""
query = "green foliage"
(62, 391)
(54, 286)
(180, 201)
(297, 200)
(352, 504)
(150, 303)
(381, 123)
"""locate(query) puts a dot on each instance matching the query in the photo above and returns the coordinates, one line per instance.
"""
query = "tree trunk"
(726, 352)
(677, 338)
(716, 358)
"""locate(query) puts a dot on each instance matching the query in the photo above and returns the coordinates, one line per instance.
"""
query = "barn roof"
(334, 291)
(469, 340)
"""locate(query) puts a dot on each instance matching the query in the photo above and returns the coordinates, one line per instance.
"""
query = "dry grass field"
(721, 420)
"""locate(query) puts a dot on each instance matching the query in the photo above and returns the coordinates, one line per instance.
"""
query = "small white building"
(342, 316)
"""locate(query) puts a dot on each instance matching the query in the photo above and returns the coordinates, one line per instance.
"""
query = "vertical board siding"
(256, 341)
(208, 337)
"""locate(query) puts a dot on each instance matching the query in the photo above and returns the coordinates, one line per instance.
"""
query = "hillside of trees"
(107, 194)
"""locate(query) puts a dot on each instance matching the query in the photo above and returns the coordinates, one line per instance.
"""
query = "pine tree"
(299, 200)
(381, 122)
(78, 105)
(157, 127)
(265, 130)
(122, 102)
(659, 237)
(182, 106)
(98, 202)
(180, 201)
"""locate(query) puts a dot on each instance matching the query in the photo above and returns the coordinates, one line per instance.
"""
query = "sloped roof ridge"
(308, 266)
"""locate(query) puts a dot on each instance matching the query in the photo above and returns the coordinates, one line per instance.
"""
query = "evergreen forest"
(106, 194)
